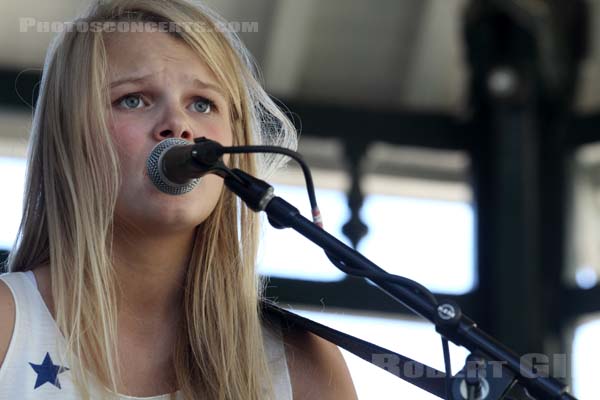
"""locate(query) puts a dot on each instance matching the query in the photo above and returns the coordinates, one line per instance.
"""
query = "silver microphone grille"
(155, 173)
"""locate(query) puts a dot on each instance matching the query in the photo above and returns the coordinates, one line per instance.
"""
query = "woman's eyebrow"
(129, 79)
(204, 85)
(195, 83)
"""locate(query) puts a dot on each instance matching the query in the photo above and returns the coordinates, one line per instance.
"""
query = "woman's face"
(160, 89)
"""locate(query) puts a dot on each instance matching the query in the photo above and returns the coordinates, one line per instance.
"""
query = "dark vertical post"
(523, 68)
(355, 229)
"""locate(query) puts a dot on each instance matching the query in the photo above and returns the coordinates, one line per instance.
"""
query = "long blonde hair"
(71, 189)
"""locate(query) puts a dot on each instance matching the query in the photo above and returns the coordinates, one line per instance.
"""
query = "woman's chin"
(159, 221)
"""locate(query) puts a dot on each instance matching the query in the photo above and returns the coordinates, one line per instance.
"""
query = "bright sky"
(430, 241)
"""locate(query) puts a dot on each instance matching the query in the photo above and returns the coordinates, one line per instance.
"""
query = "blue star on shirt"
(47, 372)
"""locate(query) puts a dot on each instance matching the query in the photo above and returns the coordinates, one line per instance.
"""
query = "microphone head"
(155, 172)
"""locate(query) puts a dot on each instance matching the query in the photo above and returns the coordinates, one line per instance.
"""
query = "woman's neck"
(151, 275)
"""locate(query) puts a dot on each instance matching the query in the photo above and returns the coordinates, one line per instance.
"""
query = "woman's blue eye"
(134, 101)
(130, 101)
(204, 105)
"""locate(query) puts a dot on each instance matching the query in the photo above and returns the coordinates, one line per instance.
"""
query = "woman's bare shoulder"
(317, 367)
(7, 319)
(8, 309)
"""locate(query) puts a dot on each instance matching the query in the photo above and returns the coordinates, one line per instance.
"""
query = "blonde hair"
(71, 189)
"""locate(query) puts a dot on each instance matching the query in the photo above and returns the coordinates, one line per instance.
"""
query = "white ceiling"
(379, 54)
(374, 54)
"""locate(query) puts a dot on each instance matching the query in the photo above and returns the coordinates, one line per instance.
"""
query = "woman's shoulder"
(317, 368)
(8, 308)
(7, 318)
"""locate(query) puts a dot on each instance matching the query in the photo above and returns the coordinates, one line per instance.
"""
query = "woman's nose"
(174, 124)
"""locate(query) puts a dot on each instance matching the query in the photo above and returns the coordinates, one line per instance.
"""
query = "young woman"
(115, 289)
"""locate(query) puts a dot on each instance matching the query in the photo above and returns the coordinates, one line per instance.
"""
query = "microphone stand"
(450, 322)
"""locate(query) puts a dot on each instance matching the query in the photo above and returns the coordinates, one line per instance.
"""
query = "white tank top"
(33, 368)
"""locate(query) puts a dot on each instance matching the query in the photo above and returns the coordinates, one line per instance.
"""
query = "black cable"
(448, 367)
(310, 186)
(399, 280)
(386, 276)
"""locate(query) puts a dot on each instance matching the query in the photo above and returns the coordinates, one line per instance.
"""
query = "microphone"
(175, 166)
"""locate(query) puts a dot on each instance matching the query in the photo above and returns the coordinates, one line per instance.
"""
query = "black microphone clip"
(207, 152)
(184, 162)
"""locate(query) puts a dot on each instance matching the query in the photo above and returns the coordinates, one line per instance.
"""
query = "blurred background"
(454, 142)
